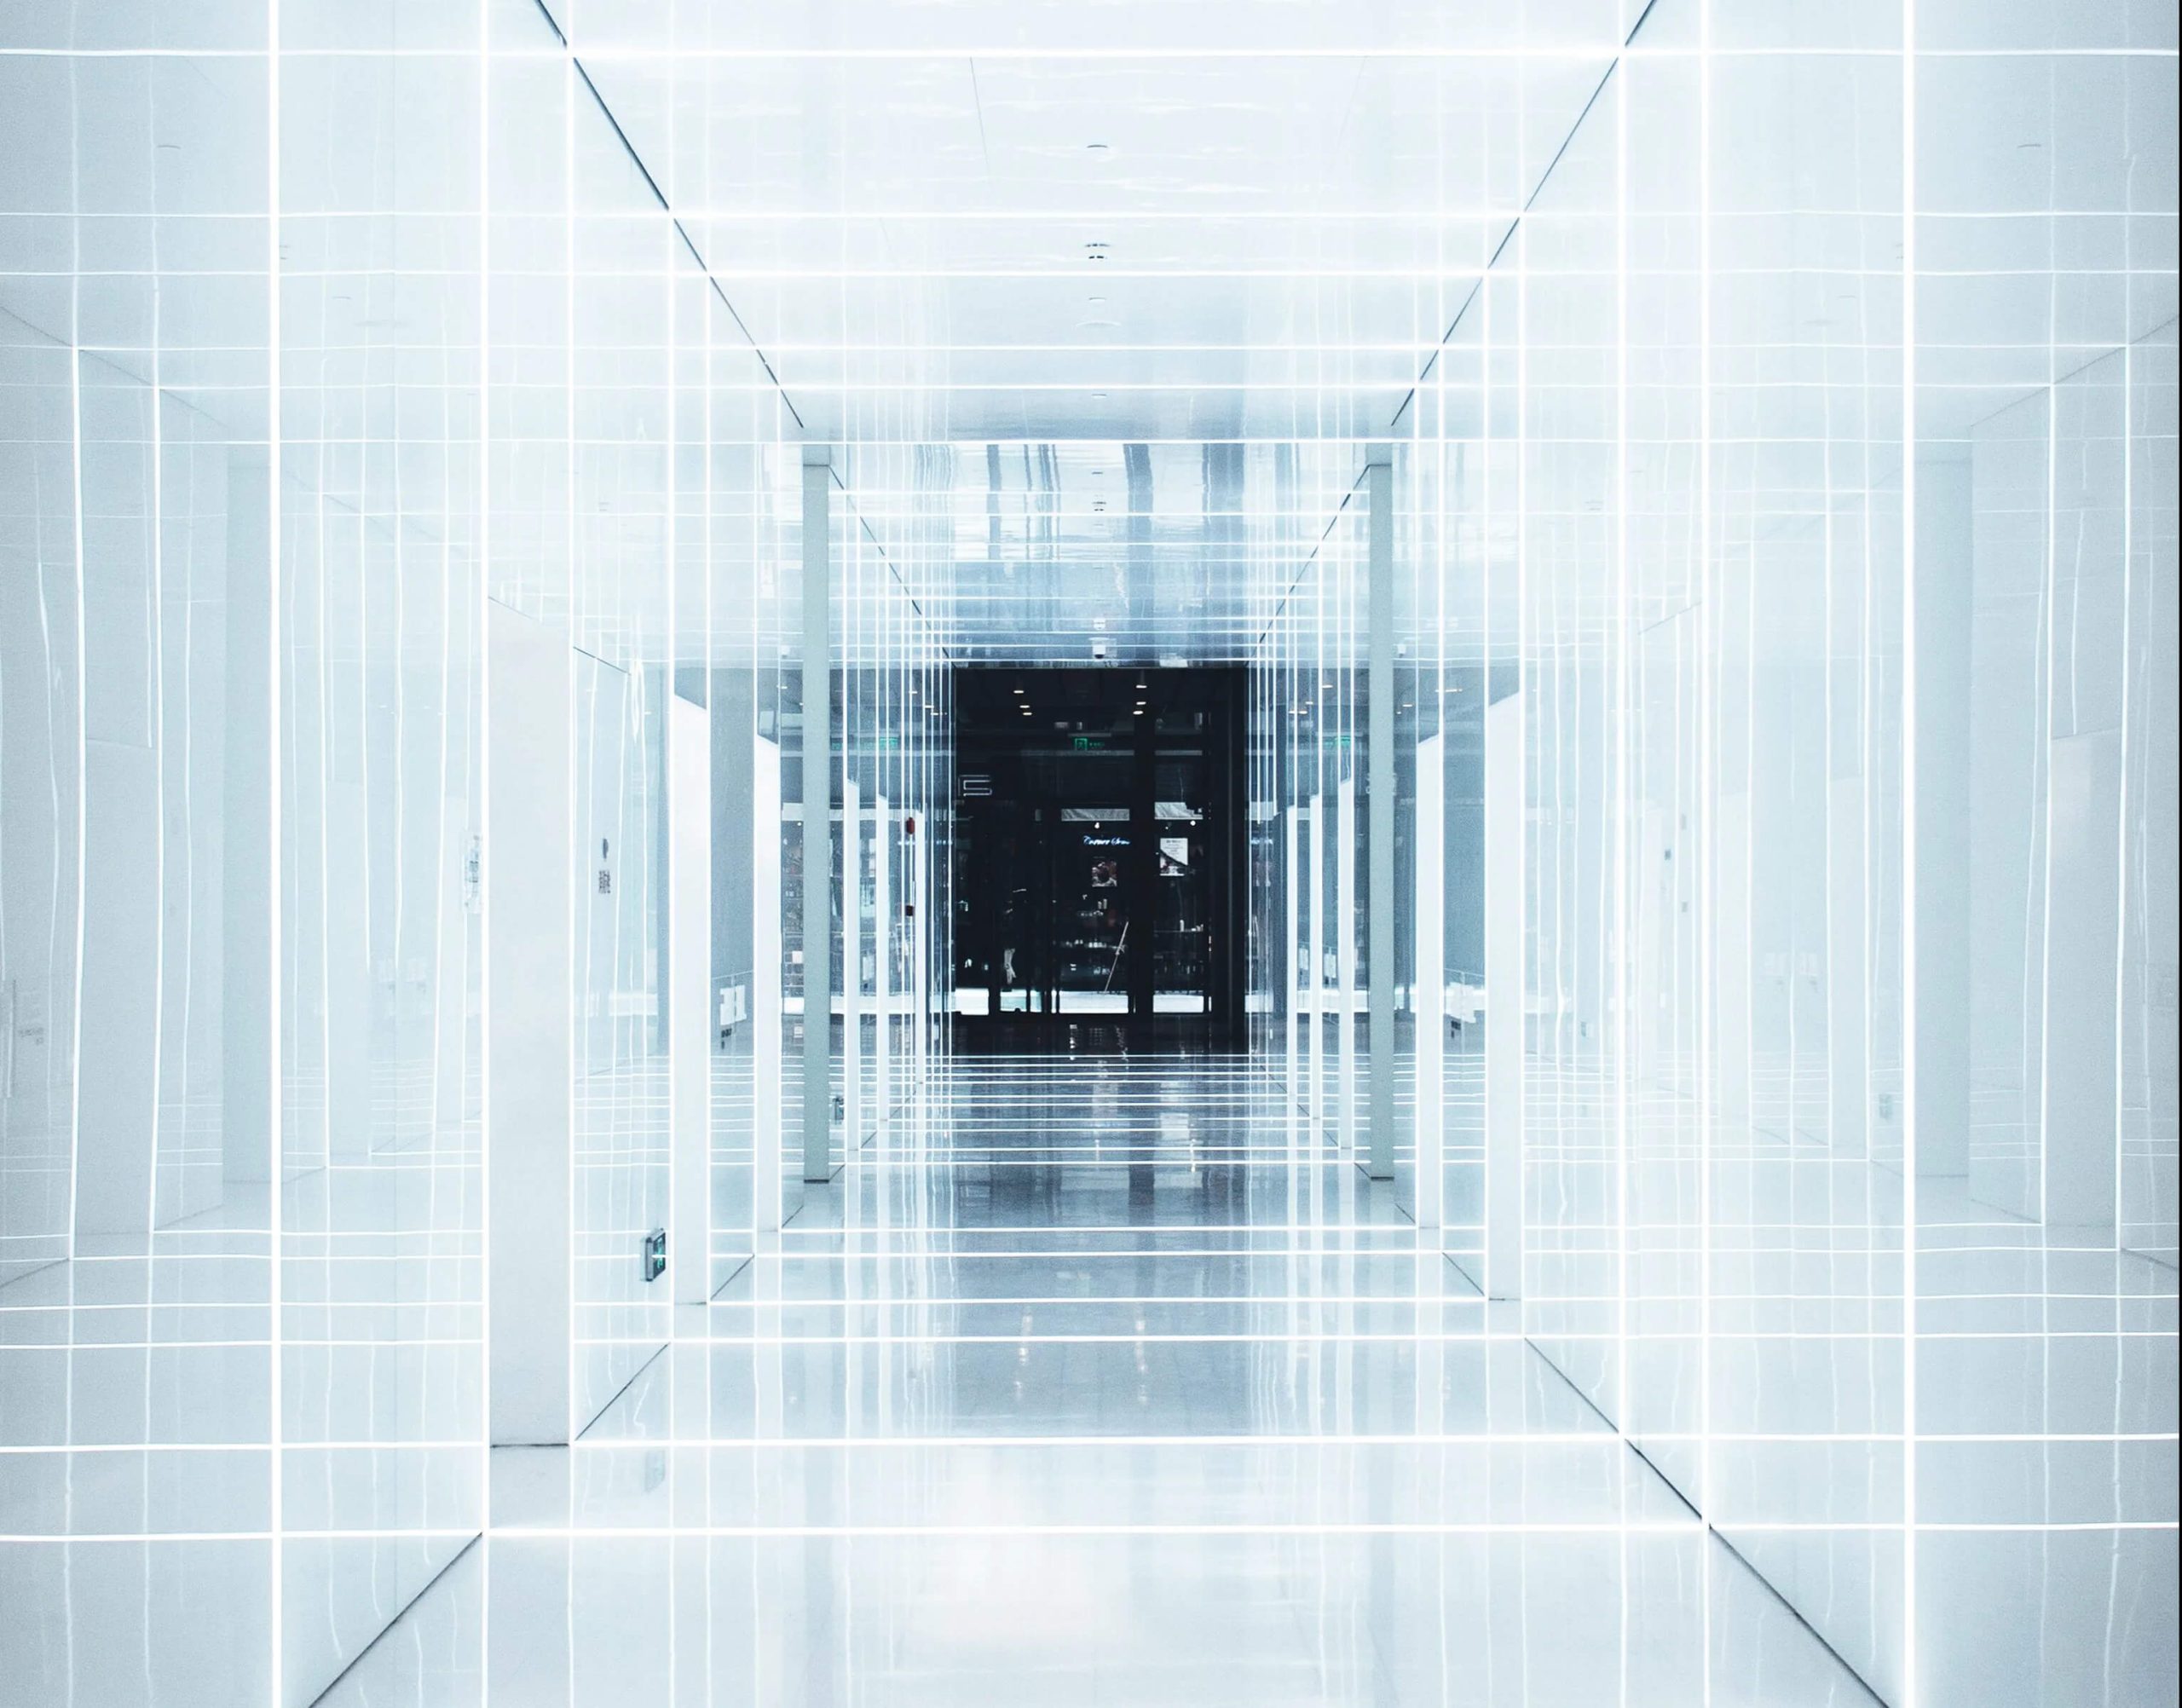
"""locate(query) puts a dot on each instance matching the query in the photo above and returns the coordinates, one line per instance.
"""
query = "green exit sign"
(1089, 744)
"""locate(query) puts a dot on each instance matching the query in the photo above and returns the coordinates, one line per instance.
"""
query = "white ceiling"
(1293, 200)
(1281, 241)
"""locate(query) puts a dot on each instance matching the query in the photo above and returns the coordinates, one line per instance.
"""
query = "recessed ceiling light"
(1019, 691)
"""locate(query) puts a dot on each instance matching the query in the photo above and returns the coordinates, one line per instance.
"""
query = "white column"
(920, 939)
(852, 963)
(1941, 816)
(1379, 484)
(2082, 1113)
(817, 815)
(882, 918)
(1292, 998)
(1314, 947)
(690, 1029)
(1504, 1018)
(250, 1022)
(1344, 956)
(1428, 987)
(528, 861)
(767, 1141)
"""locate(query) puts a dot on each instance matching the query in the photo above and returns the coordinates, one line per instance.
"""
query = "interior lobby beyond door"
(1099, 837)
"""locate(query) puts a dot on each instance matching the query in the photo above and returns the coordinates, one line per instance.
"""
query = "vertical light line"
(570, 995)
(711, 998)
(1707, 790)
(1911, 1693)
(395, 665)
(82, 705)
(155, 660)
(671, 975)
(1484, 537)
(664, 807)
(1624, 718)
(481, 641)
(276, 1135)
(2049, 616)
(1827, 567)
(83, 821)
(1526, 713)
(322, 705)
(2121, 838)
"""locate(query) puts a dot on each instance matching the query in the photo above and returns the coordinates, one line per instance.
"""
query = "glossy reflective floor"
(1096, 1382)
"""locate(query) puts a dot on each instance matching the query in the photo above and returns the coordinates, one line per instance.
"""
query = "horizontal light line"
(1600, 1435)
(1598, 53)
(630, 1532)
(1303, 1337)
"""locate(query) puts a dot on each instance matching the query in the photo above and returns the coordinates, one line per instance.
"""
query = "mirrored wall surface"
(1813, 428)
(325, 338)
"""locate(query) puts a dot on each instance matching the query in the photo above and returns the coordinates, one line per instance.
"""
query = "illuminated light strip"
(1282, 1441)
(249, 1342)
(276, 1126)
(83, 716)
(1400, 1230)
(1912, 1681)
(482, 619)
(1753, 1300)
(1598, 1435)
(83, 798)
(1606, 48)
(1625, 718)
(1690, 1527)
(1269, 1336)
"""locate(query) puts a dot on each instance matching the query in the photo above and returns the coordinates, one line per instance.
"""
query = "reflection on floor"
(1094, 1382)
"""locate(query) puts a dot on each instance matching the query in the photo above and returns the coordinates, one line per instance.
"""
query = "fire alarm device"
(909, 824)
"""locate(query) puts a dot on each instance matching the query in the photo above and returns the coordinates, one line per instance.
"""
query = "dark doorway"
(1098, 850)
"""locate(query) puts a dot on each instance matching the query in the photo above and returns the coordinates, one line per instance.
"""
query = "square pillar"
(817, 815)
(1505, 1019)
(528, 873)
(1379, 489)
(690, 1028)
